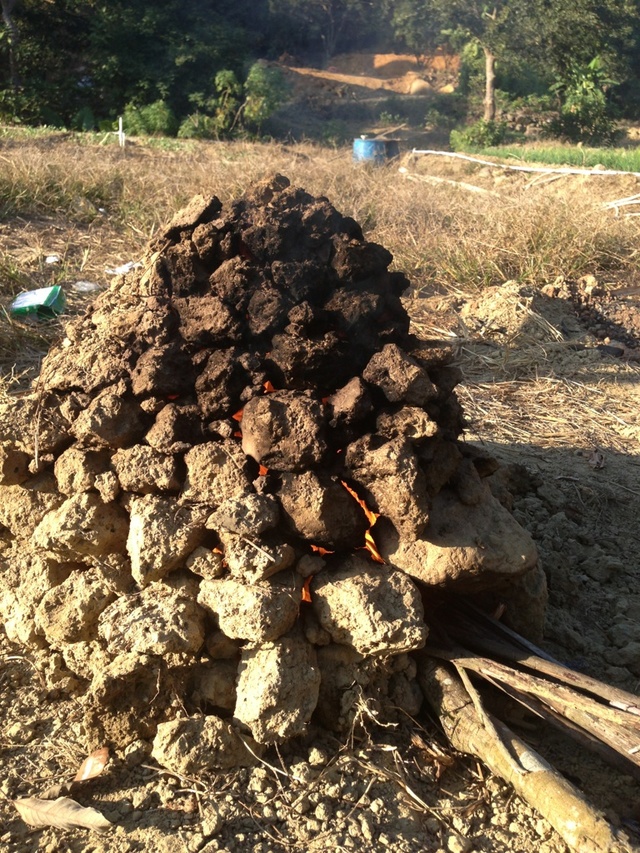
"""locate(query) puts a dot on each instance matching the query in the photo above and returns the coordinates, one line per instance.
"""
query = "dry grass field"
(546, 389)
(95, 206)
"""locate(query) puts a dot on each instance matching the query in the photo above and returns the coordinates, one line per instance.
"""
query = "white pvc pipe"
(545, 170)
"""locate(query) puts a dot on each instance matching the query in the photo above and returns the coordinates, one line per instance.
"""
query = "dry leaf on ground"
(63, 813)
(93, 765)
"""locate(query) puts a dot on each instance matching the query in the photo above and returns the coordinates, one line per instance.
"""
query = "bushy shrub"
(585, 114)
(482, 134)
(265, 90)
(445, 112)
(226, 102)
(154, 119)
(197, 126)
(84, 119)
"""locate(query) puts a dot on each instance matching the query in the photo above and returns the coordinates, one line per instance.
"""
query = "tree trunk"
(12, 38)
(490, 85)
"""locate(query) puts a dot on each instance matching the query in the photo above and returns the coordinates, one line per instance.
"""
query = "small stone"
(284, 431)
(354, 829)
(137, 752)
(324, 811)
(258, 612)
(623, 632)
(158, 621)
(212, 821)
(456, 843)
(432, 825)
(399, 377)
(318, 757)
(367, 827)
(376, 611)
(190, 745)
(22, 732)
(205, 562)
(161, 536)
(247, 516)
(302, 805)
(302, 773)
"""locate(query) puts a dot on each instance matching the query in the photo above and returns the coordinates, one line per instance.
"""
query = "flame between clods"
(372, 517)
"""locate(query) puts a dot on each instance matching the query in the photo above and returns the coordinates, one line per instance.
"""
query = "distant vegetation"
(620, 159)
(194, 68)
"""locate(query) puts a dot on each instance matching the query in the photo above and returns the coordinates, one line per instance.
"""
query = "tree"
(410, 25)
(92, 57)
(11, 36)
(142, 51)
(586, 47)
(552, 35)
(47, 60)
(328, 22)
(498, 28)
(566, 35)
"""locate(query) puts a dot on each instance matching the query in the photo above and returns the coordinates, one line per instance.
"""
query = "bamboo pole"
(583, 828)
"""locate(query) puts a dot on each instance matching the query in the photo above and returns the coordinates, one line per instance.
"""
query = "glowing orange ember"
(238, 415)
(318, 549)
(372, 517)
(268, 387)
(262, 471)
(370, 545)
(306, 592)
(217, 550)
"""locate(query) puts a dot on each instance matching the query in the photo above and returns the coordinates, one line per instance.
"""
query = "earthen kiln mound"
(184, 488)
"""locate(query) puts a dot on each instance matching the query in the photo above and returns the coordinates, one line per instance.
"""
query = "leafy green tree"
(587, 47)
(46, 75)
(265, 89)
(143, 51)
(75, 57)
(498, 28)
(411, 26)
(584, 114)
(566, 34)
(235, 107)
(154, 119)
(551, 35)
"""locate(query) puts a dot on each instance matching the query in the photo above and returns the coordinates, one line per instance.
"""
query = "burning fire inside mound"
(238, 481)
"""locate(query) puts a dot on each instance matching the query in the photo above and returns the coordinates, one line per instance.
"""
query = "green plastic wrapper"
(44, 303)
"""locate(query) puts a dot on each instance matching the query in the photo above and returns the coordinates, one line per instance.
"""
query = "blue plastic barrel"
(376, 151)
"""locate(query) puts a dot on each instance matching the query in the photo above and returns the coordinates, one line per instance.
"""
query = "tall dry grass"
(97, 206)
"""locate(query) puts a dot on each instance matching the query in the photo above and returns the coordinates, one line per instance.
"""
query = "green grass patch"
(620, 159)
